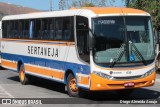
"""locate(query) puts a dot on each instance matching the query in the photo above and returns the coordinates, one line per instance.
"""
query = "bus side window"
(44, 29)
(82, 38)
(66, 28)
(5, 29)
(31, 26)
(37, 29)
(34, 29)
(26, 29)
(16, 33)
(51, 29)
(20, 29)
(11, 28)
(58, 29)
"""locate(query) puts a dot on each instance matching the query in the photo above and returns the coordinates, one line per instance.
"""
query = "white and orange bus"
(89, 48)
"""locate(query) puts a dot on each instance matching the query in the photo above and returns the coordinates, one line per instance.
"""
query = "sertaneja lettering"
(43, 51)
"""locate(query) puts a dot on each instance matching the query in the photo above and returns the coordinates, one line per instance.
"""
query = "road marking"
(6, 94)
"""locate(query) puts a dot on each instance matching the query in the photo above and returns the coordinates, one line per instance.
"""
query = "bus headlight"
(148, 73)
(103, 75)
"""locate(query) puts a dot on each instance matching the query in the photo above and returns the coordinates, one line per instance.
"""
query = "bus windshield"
(122, 39)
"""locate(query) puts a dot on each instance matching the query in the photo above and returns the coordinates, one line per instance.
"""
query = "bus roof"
(85, 11)
(115, 10)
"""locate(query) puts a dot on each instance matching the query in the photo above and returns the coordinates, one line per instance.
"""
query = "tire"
(72, 89)
(125, 92)
(22, 76)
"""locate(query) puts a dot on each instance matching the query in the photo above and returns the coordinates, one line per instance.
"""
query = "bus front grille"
(128, 78)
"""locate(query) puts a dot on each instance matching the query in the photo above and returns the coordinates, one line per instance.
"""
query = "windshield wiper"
(119, 55)
(137, 52)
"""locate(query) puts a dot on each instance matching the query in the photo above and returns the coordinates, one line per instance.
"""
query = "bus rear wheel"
(72, 89)
(22, 75)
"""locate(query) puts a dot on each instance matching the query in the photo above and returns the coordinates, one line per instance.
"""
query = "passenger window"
(37, 29)
(26, 29)
(5, 29)
(15, 31)
(64, 29)
(20, 27)
(31, 29)
(11, 32)
(41, 29)
(59, 26)
(51, 29)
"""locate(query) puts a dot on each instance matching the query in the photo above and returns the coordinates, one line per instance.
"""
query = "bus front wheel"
(22, 76)
(72, 89)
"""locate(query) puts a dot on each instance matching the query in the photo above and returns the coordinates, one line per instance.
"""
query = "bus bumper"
(98, 83)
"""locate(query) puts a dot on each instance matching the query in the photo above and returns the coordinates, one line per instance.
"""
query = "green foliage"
(65, 4)
(82, 3)
(150, 6)
(101, 3)
(62, 4)
(88, 5)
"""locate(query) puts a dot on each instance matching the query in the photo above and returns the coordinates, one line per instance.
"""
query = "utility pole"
(50, 5)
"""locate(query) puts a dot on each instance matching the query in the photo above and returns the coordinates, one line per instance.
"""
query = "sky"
(45, 4)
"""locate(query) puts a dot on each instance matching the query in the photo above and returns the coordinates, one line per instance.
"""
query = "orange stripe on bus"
(133, 11)
(45, 72)
(43, 42)
(84, 80)
(38, 41)
(8, 64)
(65, 44)
(114, 10)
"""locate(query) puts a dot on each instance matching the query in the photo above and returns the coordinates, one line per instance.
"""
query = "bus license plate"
(129, 84)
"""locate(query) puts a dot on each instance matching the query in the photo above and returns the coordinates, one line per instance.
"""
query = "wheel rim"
(72, 85)
(22, 75)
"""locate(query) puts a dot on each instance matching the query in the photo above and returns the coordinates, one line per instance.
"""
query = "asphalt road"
(10, 87)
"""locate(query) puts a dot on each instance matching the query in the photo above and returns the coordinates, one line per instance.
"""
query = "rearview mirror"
(156, 36)
(91, 39)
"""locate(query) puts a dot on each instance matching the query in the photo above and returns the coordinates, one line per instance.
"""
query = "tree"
(150, 6)
(102, 3)
(127, 2)
(64, 4)
(82, 3)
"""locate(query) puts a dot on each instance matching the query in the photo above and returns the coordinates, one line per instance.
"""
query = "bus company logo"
(111, 72)
(6, 101)
(129, 72)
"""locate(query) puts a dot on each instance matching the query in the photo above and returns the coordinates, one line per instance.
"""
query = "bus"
(90, 48)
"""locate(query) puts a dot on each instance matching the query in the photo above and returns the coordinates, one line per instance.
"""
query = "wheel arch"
(67, 72)
(19, 63)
